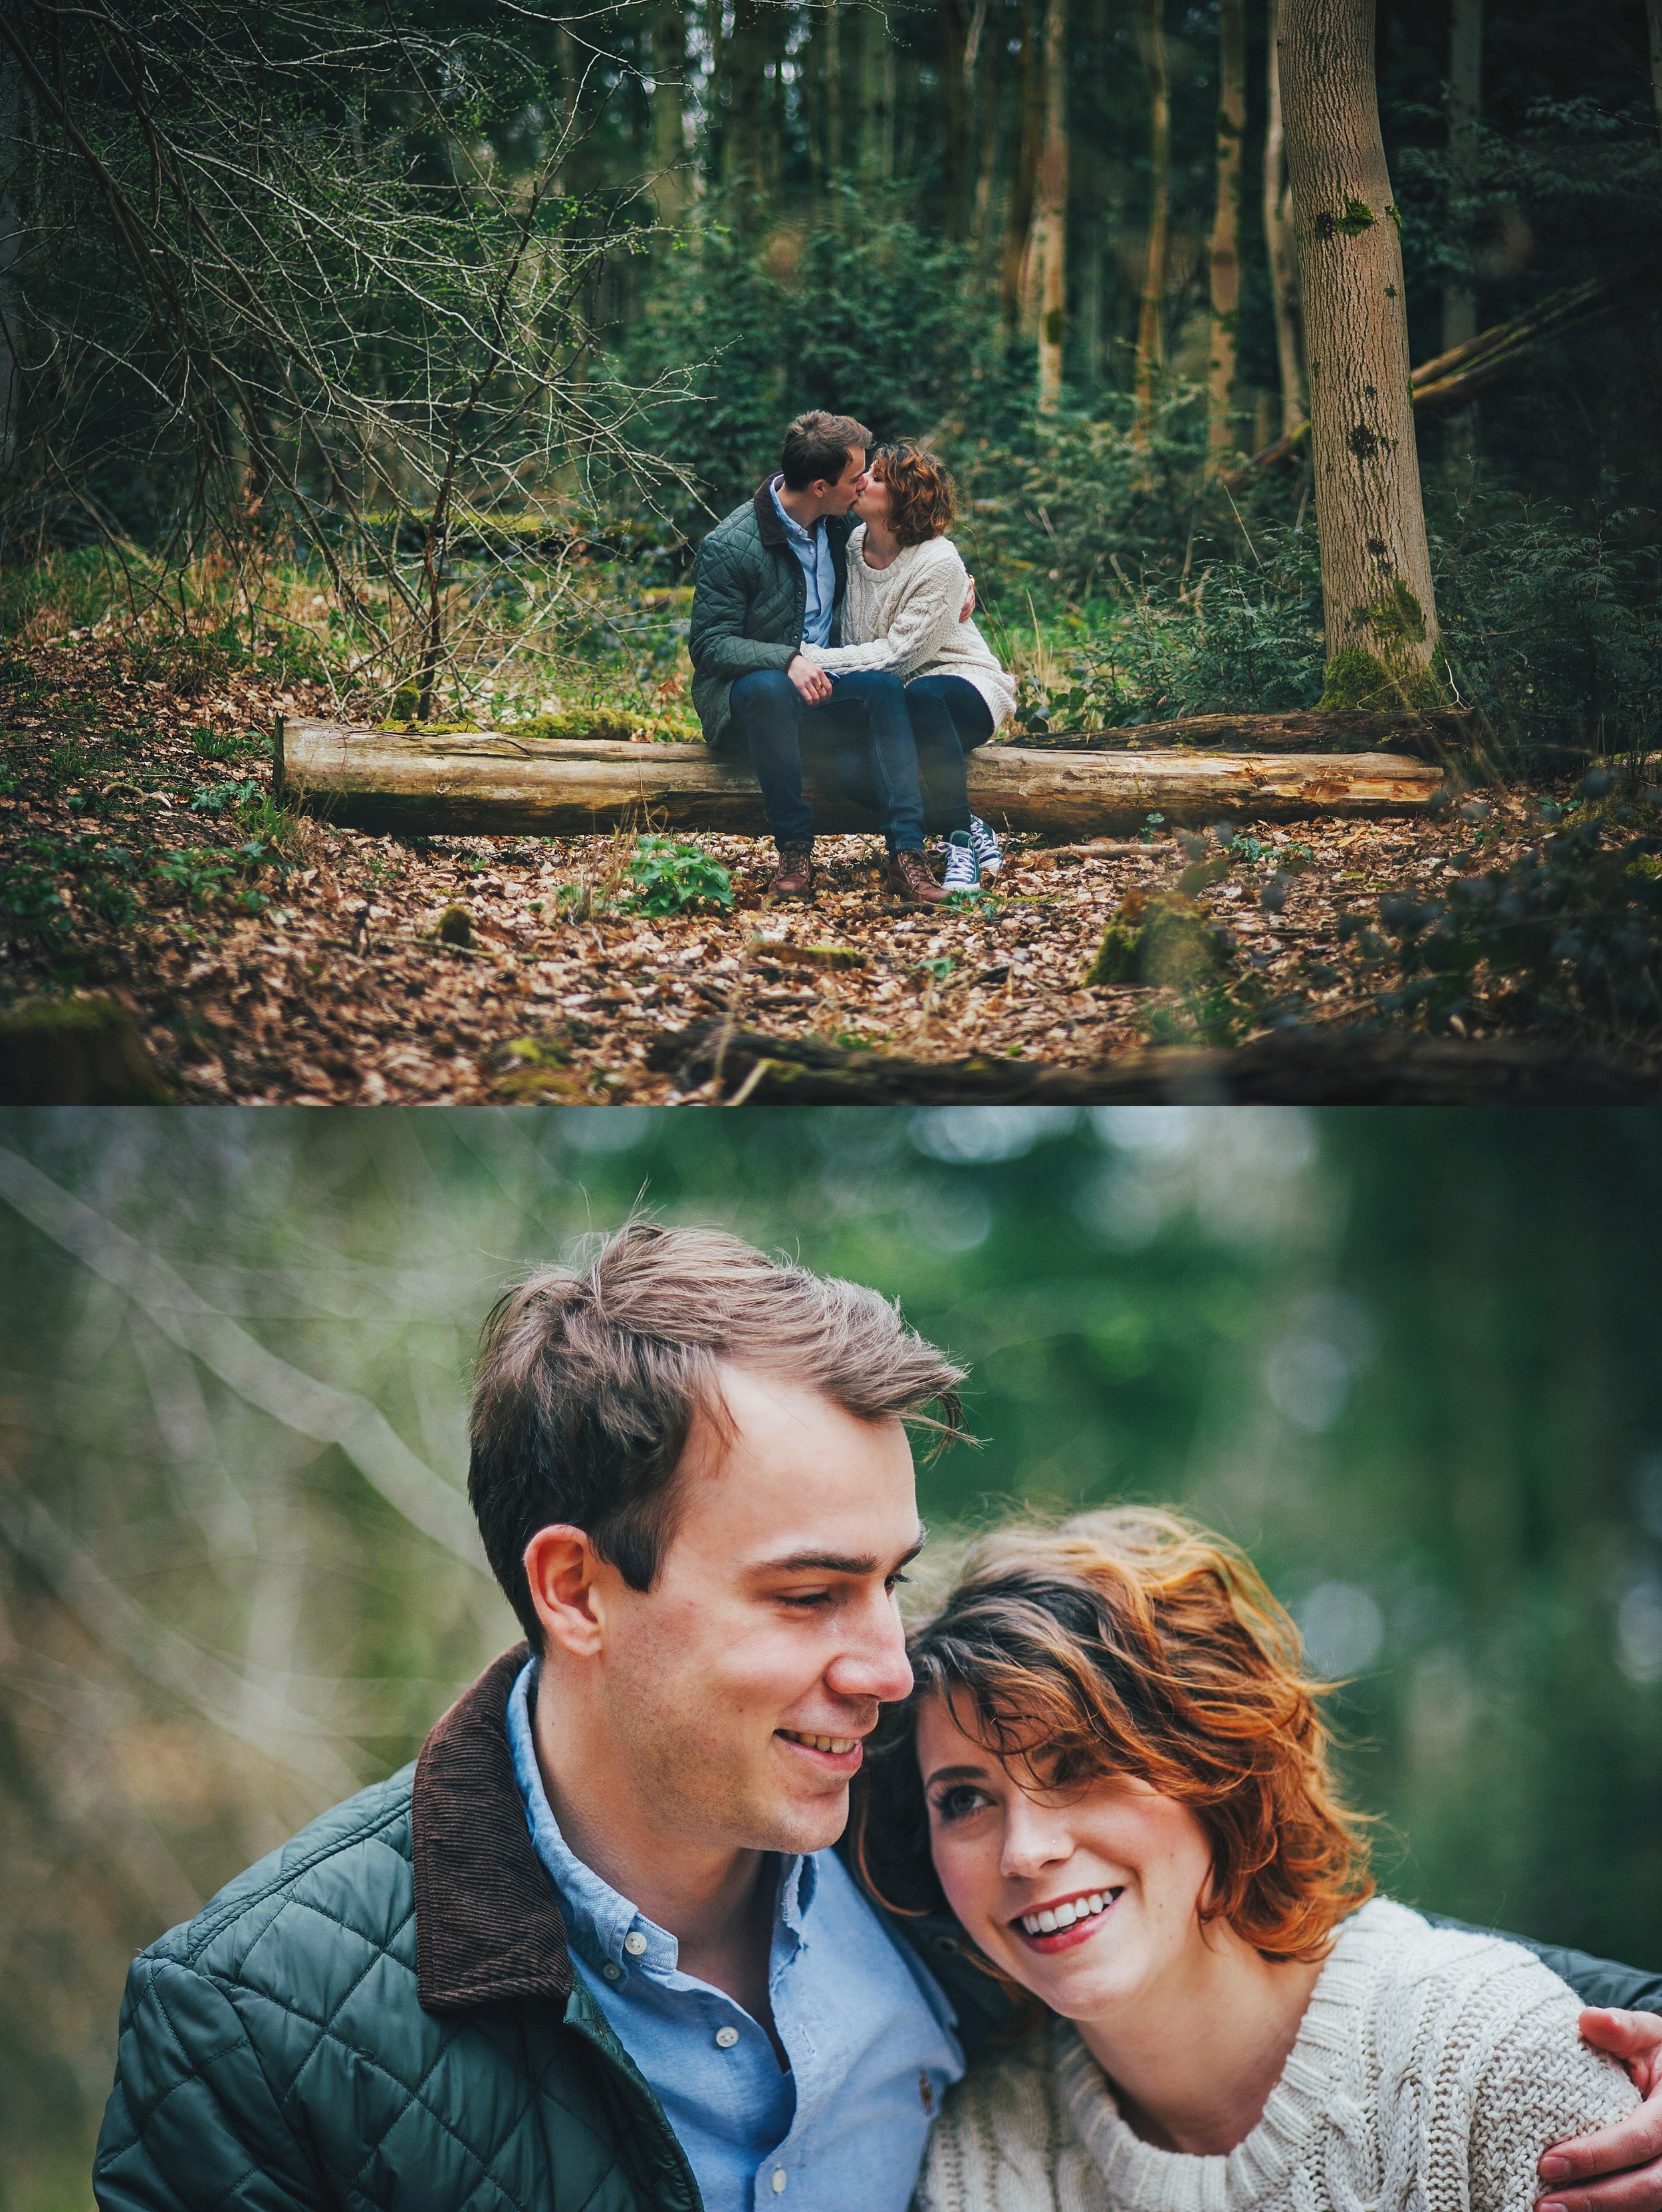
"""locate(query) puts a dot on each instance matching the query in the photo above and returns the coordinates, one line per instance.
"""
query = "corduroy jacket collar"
(487, 1923)
(488, 1919)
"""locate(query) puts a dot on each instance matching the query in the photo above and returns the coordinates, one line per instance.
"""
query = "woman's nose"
(1035, 1839)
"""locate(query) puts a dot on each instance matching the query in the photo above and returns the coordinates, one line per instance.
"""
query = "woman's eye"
(957, 1804)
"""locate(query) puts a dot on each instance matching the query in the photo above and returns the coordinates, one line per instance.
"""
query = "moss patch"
(1358, 679)
(1358, 217)
(1167, 942)
(1389, 681)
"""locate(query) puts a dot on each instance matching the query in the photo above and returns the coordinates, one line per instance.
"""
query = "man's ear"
(561, 1568)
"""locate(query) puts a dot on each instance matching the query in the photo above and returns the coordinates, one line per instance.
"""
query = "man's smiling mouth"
(838, 1747)
(1067, 1915)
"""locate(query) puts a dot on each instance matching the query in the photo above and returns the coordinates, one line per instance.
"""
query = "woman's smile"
(1066, 1922)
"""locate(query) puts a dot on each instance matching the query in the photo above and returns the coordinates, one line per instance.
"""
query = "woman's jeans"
(866, 715)
(950, 717)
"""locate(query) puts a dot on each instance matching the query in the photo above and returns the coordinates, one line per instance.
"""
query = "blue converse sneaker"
(963, 871)
(988, 857)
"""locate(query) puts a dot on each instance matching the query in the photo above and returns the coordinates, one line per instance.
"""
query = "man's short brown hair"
(920, 504)
(817, 446)
(589, 1377)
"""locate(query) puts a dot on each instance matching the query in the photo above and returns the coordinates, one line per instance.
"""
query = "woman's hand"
(968, 607)
(1615, 2169)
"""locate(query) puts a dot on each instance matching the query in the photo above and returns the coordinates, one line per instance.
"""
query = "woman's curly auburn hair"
(920, 503)
(1131, 1643)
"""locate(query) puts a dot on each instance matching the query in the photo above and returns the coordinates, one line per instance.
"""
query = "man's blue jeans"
(867, 713)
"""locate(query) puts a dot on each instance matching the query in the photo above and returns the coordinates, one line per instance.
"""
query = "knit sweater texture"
(1431, 2070)
(905, 618)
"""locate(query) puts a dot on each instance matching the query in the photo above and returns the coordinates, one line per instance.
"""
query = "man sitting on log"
(769, 580)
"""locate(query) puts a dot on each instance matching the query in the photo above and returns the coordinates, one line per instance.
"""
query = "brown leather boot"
(907, 877)
(794, 879)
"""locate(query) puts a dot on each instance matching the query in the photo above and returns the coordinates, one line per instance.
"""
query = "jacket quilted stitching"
(750, 602)
(383, 2014)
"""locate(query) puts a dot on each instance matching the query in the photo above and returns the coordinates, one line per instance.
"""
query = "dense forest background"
(1408, 1358)
(421, 343)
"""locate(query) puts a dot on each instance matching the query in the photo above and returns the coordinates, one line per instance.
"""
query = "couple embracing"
(719, 1891)
(834, 607)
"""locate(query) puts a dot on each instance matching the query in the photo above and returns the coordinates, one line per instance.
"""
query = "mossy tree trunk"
(1380, 614)
(1053, 217)
(1225, 256)
(1150, 332)
(1282, 255)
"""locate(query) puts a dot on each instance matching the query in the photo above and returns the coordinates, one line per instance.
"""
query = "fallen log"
(1436, 736)
(1297, 1067)
(490, 784)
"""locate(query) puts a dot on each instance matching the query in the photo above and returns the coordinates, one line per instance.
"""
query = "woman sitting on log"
(907, 590)
(1113, 1772)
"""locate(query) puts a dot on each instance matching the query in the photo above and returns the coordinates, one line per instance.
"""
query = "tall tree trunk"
(1466, 93)
(957, 79)
(993, 80)
(834, 155)
(1466, 96)
(1150, 332)
(1053, 219)
(743, 146)
(1381, 617)
(1018, 214)
(1653, 11)
(1226, 233)
(671, 190)
(1282, 255)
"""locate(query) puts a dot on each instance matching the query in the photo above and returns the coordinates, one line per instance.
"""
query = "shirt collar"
(797, 529)
(599, 1922)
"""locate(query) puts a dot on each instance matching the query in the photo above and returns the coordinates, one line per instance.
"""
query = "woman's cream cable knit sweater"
(905, 618)
(1431, 2071)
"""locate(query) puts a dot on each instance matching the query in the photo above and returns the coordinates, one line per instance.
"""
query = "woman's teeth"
(821, 1742)
(1047, 1922)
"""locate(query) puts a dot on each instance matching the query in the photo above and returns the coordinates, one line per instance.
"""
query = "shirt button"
(612, 1971)
(634, 1943)
(778, 2179)
(726, 2037)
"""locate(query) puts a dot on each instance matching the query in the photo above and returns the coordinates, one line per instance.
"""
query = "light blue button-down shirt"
(813, 549)
(867, 2029)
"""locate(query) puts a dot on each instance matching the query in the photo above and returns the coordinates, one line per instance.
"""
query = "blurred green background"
(1410, 1359)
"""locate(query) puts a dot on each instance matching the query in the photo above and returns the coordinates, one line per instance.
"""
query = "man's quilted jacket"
(749, 602)
(383, 2014)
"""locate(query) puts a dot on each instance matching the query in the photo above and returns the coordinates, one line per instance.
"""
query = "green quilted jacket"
(750, 602)
(383, 2014)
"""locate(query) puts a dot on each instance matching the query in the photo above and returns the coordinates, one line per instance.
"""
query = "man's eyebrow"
(837, 1562)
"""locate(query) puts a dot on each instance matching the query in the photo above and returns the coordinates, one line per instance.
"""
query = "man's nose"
(874, 1663)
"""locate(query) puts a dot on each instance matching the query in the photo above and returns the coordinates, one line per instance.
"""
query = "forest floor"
(270, 959)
